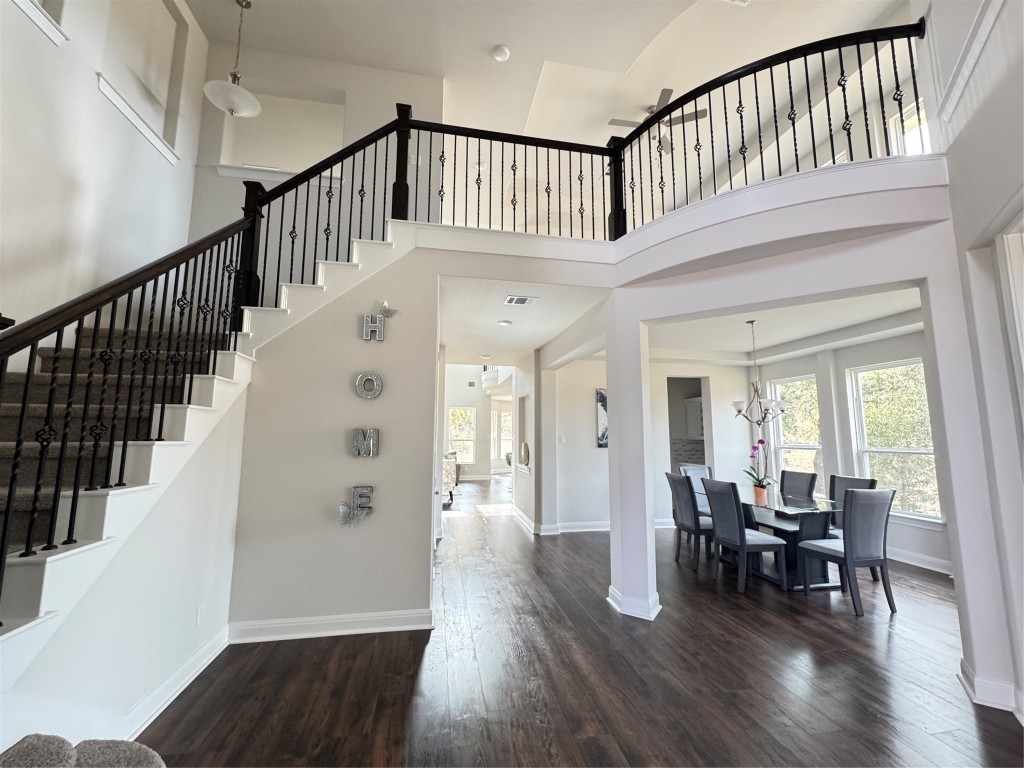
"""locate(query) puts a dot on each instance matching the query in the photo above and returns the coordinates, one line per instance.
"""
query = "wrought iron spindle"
(99, 428)
(117, 389)
(728, 142)
(83, 428)
(714, 160)
(828, 107)
(44, 438)
(847, 123)
(19, 442)
(743, 131)
(131, 390)
(775, 119)
(897, 95)
(810, 114)
(760, 134)
(864, 102)
(881, 101)
(792, 116)
(51, 534)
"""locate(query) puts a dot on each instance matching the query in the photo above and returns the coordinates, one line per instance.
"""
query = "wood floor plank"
(528, 664)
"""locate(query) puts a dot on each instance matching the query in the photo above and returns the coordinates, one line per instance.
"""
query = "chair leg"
(802, 566)
(874, 573)
(679, 542)
(714, 565)
(780, 560)
(851, 574)
(696, 552)
(707, 545)
(842, 579)
(744, 566)
(689, 538)
(888, 587)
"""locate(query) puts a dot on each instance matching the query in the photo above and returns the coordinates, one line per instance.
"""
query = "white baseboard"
(921, 561)
(664, 522)
(630, 606)
(329, 626)
(147, 710)
(595, 525)
(999, 694)
(526, 522)
(474, 477)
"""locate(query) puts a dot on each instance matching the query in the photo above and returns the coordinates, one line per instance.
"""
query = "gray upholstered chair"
(837, 487)
(697, 472)
(797, 485)
(688, 517)
(866, 522)
(730, 532)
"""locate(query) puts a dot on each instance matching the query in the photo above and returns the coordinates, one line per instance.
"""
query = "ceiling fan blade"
(700, 114)
(663, 99)
(623, 123)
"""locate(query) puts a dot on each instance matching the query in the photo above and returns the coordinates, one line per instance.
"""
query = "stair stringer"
(41, 591)
(333, 278)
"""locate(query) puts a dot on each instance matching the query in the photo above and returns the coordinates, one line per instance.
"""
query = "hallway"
(529, 665)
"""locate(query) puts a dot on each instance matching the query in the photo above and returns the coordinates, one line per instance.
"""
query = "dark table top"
(781, 512)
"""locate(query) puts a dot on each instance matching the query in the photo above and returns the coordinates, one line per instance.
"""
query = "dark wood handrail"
(38, 328)
(916, 29)
(509, 138)
(341, 155)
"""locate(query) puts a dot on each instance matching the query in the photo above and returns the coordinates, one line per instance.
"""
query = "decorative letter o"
(374, 379)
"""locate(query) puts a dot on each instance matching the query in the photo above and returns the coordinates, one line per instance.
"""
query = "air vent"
(520, 301)
(471, 384)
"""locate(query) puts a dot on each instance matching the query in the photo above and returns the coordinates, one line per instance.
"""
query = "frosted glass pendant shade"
(233, 99)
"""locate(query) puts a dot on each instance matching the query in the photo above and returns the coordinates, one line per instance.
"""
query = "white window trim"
(857, 431)
(777, 445)
(46, 23)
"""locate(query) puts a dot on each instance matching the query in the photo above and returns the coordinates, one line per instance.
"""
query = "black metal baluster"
(51, 535)
(743, 131)
(640, 166)
(351, 207)
(536, 190)
(686, 159)
(570, 194)
(266, 255)
(661, 167)
(697, 147)
(582, 208)
(19, 442)
(194, 312)
(503, 186)
(305, 234)
(672, 153)
(131, 389)
(558, 200)
(146, 355)
(416, 197)
(490, 185)
(174, 358)
(547, 188)
(775, 119)
(593, 202)
(293, 235)
(760, 134)
(99, 429)
(327, 232)
(897, 95)
(864, 103)
(881, 101)
(362, 196)
(465, 188)
(847, 123)
(455, 177)
(316, 220)
(792, 116)
(728, 143)
(280, 245)
(156, 361)
(479, 180)
(514, 201)
(83, 430)
(212, 339)
(430, 173)
(227, 272)
(384, 209)
(202, 318)
(440, 192)
(810, 113)
(917, 97)
(828, 107)
(632, 189)
(44, 437)
(711, 131)
(604, 203)
(117, 390)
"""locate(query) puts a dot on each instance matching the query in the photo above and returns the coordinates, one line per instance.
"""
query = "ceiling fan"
(663, 99)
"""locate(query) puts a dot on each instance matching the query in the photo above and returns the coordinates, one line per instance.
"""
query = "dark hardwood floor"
(529, 665)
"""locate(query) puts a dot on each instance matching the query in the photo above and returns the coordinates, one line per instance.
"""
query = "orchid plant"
(758, 471)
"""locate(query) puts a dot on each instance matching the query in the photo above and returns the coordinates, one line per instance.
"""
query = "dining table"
(782, 515)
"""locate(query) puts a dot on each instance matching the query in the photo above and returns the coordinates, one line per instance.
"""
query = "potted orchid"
(758, 471)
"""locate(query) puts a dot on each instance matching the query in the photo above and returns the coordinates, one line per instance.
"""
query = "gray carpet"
(44, 751)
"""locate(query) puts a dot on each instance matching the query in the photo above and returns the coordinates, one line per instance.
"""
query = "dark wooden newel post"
(247, 285)
(617, 214)
(400, 189)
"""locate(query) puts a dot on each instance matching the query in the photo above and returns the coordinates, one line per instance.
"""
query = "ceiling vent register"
(520, 301)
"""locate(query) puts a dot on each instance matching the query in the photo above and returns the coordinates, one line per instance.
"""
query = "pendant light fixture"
(231, 97)
(758, 410)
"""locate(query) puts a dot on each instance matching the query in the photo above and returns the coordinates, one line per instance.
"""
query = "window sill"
(42, 19)
(918, 521)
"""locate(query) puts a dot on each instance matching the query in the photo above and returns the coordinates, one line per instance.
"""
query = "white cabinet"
(694, 418)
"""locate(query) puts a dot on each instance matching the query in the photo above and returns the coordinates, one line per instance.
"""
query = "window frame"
(775, 436)
(858, 431)
(471, 441)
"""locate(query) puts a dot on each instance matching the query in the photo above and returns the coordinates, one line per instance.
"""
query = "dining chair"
(866, 518)
(688, 517)
(837, 487)
(697, 472)
(797, 485)
(730, 532)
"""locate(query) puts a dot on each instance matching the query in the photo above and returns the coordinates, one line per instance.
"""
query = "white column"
(828, 417)
(633, 590)
(545, 466)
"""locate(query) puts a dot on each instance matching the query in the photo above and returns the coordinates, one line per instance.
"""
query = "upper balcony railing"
(840, 100)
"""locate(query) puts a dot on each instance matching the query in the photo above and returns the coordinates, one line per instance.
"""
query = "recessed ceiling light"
(500, 53)
(485, 357)
(504, 323)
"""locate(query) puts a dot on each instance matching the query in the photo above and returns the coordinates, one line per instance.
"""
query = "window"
(911, 136)
(796, 438)
(462, 434)
(894, 436)
(501, 434)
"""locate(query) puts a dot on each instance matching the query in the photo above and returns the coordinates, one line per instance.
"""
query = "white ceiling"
(780, 326)
(471, 309)
(574, 63)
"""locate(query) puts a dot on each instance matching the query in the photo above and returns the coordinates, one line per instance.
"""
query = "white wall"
(458, 394)
(920, 541)
(84, 196)
(368, 96)
(582, 467)
(523, 402)
(294, 561)
(134, 639)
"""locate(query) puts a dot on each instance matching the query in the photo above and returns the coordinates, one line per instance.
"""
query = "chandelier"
(758, 410)
(232, 97)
